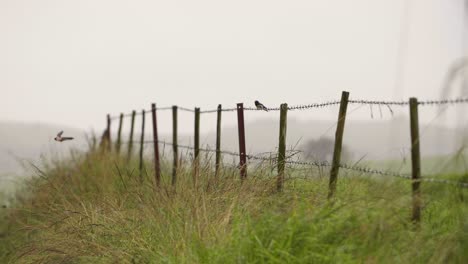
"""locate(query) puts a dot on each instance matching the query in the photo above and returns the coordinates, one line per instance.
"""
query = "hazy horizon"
(71, 63)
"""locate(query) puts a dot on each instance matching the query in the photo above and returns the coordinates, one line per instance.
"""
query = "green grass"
(96, 209)
(430, 165)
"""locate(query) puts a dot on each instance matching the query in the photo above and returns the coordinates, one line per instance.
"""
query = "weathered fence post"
(196, 158)
(415, 160)
(338, 143)
(174, 145)
(242, 151)
(109, 147)
(119, 134)
(218, 141)
(157, 166)
(130, 141)
(142, 142)
(282, 146)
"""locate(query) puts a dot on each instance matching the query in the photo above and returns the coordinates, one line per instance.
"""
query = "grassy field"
(95, 209)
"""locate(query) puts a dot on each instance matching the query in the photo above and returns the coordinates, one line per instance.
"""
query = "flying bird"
(260, 106)
(59, 137)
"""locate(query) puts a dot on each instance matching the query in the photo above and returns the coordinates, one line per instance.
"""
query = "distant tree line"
(322, 149)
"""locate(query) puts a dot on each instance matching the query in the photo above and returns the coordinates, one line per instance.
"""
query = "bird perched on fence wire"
(59, 137)
(260, 106)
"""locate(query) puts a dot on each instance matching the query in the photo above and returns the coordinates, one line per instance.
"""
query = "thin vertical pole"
(130, 141)
(157, 166)
(241, 129)
(119, 134)
(108, 135)
(218, 141)
(282, 146)
(338, 144)
(142, 142)
(174, 146)
(415, 160)
(196, 160)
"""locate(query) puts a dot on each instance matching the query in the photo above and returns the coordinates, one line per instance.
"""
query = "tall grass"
(96, 209)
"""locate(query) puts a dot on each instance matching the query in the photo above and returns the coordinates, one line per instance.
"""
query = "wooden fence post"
(415, 160)
(109, 144)
(174, 146)
(218, 141)
(338, 144)
(142, 142)
(157, 166)
(196, 160)
(130, 141)
(282, 146)
(242, 151)
(119, 134)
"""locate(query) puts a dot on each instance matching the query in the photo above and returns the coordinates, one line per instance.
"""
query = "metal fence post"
(415, 160)
(119, 134)
(142, 142)
(130, 140)
(109, 144)
(174, 146)
(157, 166)
(242, 151)
(218, 142)
(196, 160)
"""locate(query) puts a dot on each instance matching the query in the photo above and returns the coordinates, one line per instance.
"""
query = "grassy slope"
(95, 210)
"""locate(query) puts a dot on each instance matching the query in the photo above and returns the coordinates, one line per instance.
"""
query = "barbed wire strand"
(446, 101)
(367, 170)
(181, 108)
(137, 113)
(216, 110)
(388, 104)
(321, 164)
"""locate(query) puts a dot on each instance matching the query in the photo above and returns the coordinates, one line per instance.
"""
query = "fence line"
(317, 105)
(318, 164)
(280, 158)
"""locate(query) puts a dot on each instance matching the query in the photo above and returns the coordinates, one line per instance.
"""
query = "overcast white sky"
(71, 62)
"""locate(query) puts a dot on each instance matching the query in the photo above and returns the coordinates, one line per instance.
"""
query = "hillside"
(97, 209)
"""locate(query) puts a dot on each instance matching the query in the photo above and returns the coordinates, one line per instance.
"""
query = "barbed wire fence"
(387, 104)
(281, 159)
(318, 164)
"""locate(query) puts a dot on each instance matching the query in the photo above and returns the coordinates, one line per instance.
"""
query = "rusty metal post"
(174, 146)
(196, 160)
(130, 141)
(157, 166)
(119, 134)
(142, 142)
(338, 144)
(282, 146)
(415, 160)
(242, 151)
(218, 142)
